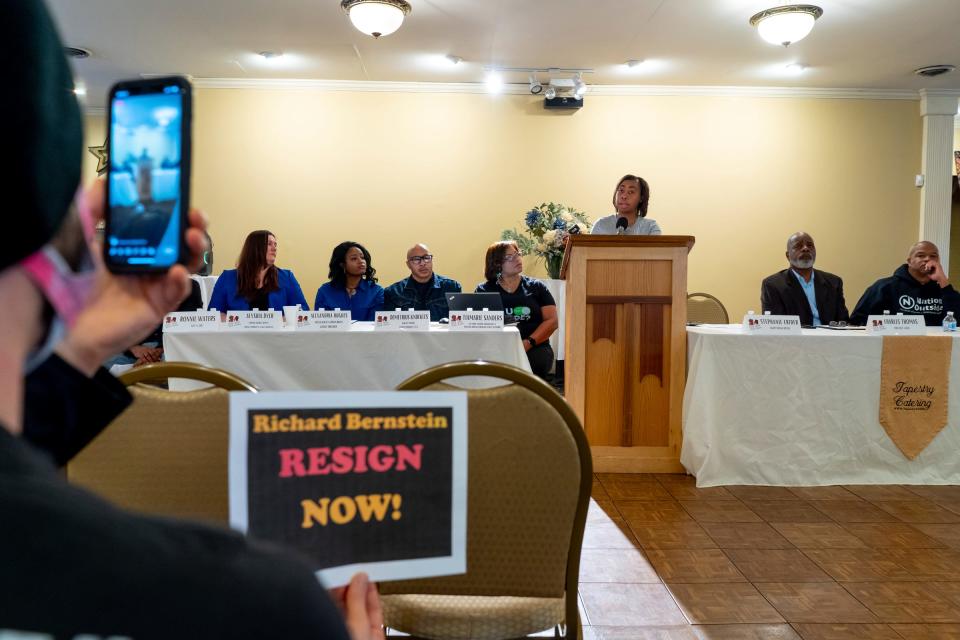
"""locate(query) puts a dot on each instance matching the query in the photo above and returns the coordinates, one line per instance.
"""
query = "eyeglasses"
(510, 257)
(421, 259)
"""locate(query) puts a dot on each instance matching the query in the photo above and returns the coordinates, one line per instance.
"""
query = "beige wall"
(391, 169)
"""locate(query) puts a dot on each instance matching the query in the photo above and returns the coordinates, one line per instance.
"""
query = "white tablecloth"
(800, 411)
(558, 289)
(359, 359)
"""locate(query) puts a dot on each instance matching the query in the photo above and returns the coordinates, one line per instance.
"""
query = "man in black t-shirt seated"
(424, 290)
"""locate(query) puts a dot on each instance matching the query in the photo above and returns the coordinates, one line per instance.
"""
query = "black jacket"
(900, 293)
(71, 563)
(782, 295)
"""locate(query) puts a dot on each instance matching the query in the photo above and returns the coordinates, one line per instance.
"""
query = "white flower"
(549, 237)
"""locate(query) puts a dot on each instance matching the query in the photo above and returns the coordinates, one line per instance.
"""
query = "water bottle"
(950, 322)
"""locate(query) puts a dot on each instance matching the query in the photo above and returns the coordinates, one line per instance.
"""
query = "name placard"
(254, 320)
(409, 320)
(191, 321)
(476, 320)
(771, 325)
(336, 320)
(897, 325)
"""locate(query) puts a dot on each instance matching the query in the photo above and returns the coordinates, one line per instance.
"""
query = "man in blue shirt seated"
(424, 290)
(816, 296)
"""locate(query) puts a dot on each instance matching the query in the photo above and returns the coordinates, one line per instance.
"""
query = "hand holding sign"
(361, 607)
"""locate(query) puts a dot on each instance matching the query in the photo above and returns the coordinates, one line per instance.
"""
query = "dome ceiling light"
(786, 25)
(376, 17)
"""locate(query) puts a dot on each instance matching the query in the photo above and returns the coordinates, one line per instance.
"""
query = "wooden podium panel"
(626, 347)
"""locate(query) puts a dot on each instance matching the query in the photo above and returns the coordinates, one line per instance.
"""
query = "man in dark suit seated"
(816, 296)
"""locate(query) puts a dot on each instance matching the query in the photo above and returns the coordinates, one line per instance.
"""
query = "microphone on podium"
(621, 225)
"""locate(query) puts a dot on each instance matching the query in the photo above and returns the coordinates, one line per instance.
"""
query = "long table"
(800, 411)
(361, 358)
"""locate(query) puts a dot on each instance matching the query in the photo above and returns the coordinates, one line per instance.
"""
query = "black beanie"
(42, 130)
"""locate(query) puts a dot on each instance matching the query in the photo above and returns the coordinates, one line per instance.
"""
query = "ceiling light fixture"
(786, 25)
(535, 86)
(452, 59)
(376, 17)
(633, 63)
(550, 93)
(270, 55)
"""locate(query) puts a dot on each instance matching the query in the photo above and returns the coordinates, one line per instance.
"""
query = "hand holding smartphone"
(148, 178)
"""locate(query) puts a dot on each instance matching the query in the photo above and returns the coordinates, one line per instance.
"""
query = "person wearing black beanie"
(71, 564)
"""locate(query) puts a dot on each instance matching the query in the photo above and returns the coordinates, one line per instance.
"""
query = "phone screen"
(147, 191)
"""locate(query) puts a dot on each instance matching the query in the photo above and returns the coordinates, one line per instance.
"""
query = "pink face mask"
(66, 291)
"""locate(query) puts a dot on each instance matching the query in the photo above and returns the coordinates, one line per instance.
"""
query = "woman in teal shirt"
(353, 283)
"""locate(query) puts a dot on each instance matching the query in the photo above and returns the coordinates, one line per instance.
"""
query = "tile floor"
(662, 559)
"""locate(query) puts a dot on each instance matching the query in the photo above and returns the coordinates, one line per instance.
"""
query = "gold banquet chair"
(167, 453)
(704, 308)
(529, 481)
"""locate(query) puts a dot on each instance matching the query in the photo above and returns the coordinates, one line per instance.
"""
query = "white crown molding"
(267, 84)
(348, 85)
(521, 89)
(754, 92)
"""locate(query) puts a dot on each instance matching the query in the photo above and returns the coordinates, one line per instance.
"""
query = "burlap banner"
(914, 386)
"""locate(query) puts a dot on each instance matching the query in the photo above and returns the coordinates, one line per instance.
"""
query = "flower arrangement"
(547, 228)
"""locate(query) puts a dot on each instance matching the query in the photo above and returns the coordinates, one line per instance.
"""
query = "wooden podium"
(626, 347)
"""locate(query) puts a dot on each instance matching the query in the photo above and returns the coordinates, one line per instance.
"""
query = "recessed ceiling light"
(494, 82)
(77, 52)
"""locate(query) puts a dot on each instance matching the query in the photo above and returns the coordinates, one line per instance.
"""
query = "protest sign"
(371, 481)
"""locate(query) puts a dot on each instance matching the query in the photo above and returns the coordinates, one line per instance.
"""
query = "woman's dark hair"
(644, 193)
(493, 263)
(337, 275)
(253, 258)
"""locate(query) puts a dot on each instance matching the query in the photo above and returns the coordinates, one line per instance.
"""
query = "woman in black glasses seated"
(526, 302)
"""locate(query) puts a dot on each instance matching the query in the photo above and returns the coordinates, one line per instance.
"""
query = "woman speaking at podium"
(630, 201)
(256, 283)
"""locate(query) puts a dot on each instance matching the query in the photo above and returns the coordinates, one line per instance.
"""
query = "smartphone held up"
(148, 179)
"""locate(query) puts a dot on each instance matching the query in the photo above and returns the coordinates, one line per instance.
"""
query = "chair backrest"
(529, 480)
(167, 453)
(704, 308)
